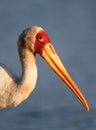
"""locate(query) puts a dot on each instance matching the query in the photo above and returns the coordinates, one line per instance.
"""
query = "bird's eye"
(41, 38)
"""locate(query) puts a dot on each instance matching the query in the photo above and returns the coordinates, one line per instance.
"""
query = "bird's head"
(37, 41)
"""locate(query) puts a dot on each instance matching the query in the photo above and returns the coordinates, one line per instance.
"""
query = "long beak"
(51, 57)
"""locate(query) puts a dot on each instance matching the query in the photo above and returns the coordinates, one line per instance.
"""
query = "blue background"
(71, 26)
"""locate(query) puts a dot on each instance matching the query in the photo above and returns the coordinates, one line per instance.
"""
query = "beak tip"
(87, 107)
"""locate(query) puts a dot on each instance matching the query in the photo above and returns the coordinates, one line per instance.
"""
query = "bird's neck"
(29, 71)
(28, 78)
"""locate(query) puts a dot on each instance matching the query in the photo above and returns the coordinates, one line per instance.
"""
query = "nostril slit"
(52, 49)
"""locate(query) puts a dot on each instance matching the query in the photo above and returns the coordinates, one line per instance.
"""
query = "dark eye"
(41, 38)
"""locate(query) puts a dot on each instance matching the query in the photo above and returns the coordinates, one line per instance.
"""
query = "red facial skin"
(41, 40)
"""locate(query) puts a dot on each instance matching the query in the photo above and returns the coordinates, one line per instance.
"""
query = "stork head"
(37, 41)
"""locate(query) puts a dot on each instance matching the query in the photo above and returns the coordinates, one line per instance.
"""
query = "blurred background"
(71, 26)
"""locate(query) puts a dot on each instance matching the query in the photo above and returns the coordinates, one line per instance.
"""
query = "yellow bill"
(51, 57)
